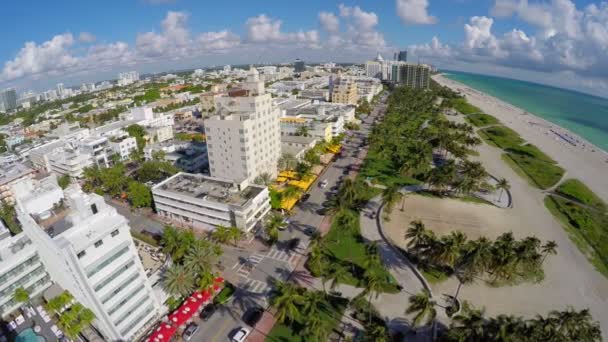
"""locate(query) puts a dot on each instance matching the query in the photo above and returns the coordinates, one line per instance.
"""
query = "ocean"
(582, 114)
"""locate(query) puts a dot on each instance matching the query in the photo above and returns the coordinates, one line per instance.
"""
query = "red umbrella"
(163, 333)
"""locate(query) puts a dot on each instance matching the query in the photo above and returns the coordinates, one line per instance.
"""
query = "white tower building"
(244, 138)
(91, 254)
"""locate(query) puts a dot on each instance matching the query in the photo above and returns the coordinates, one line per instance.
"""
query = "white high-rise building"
(60, 89)
(89, 251)
(244, 139)
(126, 78)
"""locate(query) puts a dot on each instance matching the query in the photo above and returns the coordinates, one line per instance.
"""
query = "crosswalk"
(249, 265)
(280, 255)
(256, 286)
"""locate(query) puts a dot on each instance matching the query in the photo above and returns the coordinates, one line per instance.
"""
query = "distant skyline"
(562, 43)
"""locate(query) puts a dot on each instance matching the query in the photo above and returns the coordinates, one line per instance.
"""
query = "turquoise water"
(583, 114)
(28, 335)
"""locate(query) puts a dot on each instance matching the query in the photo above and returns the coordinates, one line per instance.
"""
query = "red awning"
(217, 283)
(163, 333)
(181, 315)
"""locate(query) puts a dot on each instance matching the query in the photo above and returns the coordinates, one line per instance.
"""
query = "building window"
(98, 243)
(114, 233)
(81, 254)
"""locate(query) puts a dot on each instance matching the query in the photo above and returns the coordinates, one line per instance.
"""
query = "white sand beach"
(580, 159)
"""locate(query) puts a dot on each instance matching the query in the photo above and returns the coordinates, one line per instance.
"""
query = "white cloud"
(32, 59)
(218, 41)
(361, 29)
(263, 29)
(414, 12)
(565, 41)
(329, 22)
(86, 37)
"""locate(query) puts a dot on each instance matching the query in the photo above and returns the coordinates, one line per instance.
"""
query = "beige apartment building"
(344, 90)
(244, 137)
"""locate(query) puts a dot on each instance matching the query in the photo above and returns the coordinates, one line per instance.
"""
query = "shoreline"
(567, 135)
(566, 147)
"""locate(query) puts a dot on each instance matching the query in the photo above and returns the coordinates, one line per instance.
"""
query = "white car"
(241, 335)
(323, 183)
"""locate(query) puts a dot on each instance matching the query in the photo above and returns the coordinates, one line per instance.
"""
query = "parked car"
(240, 335)
(305, 197)
(323, 183)
(190, 330)
(253, 316)
(207, 311)
(286, 224)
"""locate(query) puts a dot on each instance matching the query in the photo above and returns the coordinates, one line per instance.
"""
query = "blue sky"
(558, 42)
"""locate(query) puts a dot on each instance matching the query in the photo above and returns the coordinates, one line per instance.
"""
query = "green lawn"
(579, 191)
(587, 228)
(501, 136)
(382, 171)
(540, 173)
(482, 120)
(346, 247)
(529, 150)
(225, 294)
(464, 107)
(291, 332)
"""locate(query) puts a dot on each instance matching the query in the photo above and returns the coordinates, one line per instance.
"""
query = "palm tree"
(423, 306)
(417, 235)
(314, 327)
(221, 234)
(200, 256)
(206, 279)
(291, 192)
(287, 161)
(373, 286)
(469, 324)
(170, 240)
(503, 184)
(178, 281)
(21, 295)
(451, 248)
(338, 275)
(263, 179)
(235, 234)
(303, 170)
(550, 247)
(313, 303)
(390, 196)
(286, 300)
(376, 333)
(273, 225)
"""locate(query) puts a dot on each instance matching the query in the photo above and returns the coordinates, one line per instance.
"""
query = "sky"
(563, 43)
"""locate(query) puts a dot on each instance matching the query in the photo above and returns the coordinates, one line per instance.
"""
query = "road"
(257, 268)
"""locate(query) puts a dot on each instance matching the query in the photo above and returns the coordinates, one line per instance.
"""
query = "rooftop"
(208, 188)
(9, 173)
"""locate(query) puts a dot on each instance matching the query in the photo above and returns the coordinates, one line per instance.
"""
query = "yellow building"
(344, 91)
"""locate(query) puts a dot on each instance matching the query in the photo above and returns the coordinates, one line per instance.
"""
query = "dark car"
(310, 231)
(208, 311)
(305, 197)
(322, 211)
(293, 243)
(252, 316)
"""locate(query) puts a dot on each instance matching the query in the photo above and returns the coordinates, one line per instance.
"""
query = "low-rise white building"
(160, 134)
(123, 146)
(205, 202)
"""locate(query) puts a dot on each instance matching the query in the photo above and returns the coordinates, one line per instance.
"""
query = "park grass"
(577, 190)
(537, 172)
(501, 136)
(292, 331)
(587, 228)
(529, 150)
(346, 247)
(465, 107)
(481, 120)
(382, 171)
